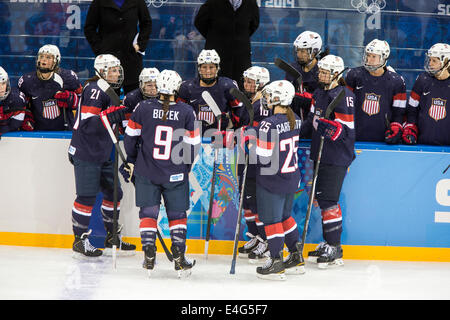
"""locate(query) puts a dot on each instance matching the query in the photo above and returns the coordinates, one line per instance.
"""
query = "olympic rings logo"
(363, 6)
(155, 3)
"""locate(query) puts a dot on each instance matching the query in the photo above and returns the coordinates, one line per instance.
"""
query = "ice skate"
(149, 258)
(294, 263)
(313, 255)
(273, 269)
(260, 253)
(183, 265)
(332, 256)
(123, 248)
(248, 246)
(83, 249)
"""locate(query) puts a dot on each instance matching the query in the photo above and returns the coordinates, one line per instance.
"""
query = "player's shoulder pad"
(226, 82)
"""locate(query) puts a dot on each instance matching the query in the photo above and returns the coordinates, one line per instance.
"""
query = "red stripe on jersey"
(400, 96)
(350, 88)
(274, 229)
(148, 223)
(173, 223)
(264, 144)
(249, 214)
(344, 117)
(415, 96)
(134, 125)
(331, 214)
(82, 207)
(109, 204)
(89, 109)
(289, 223)
(180, 99)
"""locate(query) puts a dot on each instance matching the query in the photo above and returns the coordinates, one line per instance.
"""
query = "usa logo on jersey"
(371, 104)
(437, 110)
(50, 109)
(205, 114)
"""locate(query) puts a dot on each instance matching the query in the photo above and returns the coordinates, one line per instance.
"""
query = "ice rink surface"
(30, 273)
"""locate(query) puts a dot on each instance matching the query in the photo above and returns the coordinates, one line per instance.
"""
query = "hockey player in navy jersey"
(255, 78)
(428, 107)
(12, 105)
(51, 91)
(90, 153)
(208, 80)
(277, 179)
(147, 90)
(307, 51)
(156, 132)
(337, 154)
(380, 96)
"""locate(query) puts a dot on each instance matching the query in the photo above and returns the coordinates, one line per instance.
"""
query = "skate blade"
(335, 263)
(257, 261)
(243, 255)
(312, 259)
(80, 256)
(296, 270)
(119, 253)
(149, 272)
(272, 276)
(183, 274)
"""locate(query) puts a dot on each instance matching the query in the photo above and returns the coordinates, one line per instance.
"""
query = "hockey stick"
(249, 107)
(60, 81)
(218, 114)
(116, 101)
(446, 169)
(328, 112)
(286, 67)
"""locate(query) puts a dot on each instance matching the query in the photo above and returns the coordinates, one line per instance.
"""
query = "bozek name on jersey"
(171, 114)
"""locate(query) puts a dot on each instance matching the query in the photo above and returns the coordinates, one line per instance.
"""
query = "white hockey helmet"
(208, 56)
(102, 65)
(50, 49)
(334, 64)
(440, 51)
(4, 79)
(309, 40)
(379, 47)
(280, 92)
(147, 75)
(168, 82)
(260, 74)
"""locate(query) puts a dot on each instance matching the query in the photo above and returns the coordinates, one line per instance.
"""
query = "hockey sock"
(81, 214)
(275, 238)
(261, 230)
(249, 217)
(332, 225)
(178, 229)
(291, 233)
(107, 209)
(148, 225)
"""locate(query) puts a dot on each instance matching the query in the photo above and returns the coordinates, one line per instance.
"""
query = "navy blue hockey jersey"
(40, 95)
(375, 99)
(340, 152)
(428, 107)
(154, 142)
(12, 111)
(276, 150)
(90, 139)
(191, 93)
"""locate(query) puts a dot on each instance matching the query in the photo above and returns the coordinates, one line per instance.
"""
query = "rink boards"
(395, 200)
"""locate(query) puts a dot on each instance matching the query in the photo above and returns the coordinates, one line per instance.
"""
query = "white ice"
(49, 273)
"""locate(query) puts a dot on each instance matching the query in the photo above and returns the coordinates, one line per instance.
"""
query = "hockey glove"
(410, 132)
(28, 122)
(301, 103)
(66, 99)
(223, 139)
(247, 138)
(329, 129)
(127, 169)
(393, 135)
(114, 115)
